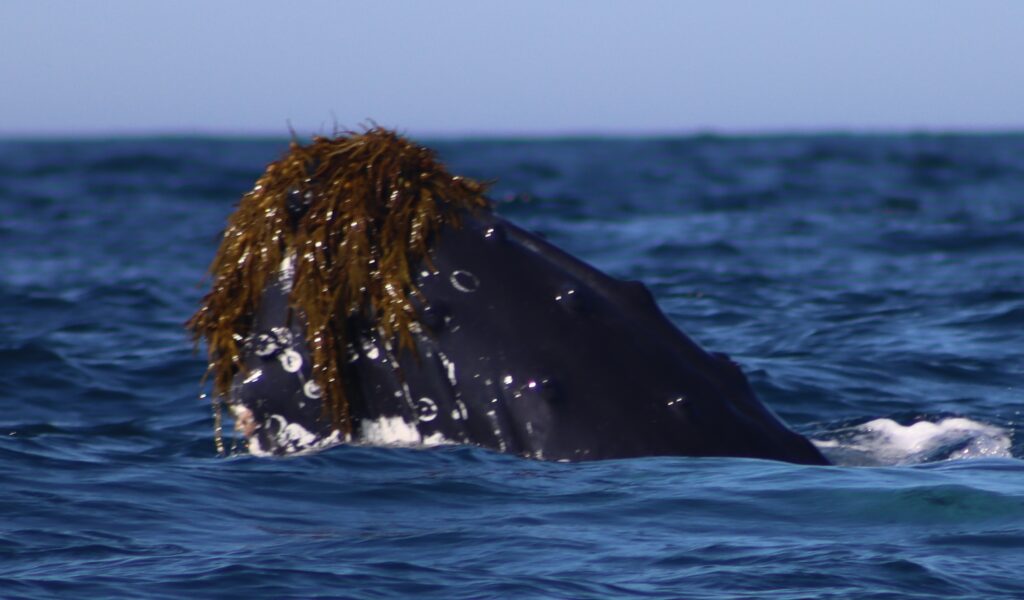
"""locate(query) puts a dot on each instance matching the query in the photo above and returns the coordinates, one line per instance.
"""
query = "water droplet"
(494, 233)
(570, 299)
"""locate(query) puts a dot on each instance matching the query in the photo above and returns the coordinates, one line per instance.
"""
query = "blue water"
(871, 287)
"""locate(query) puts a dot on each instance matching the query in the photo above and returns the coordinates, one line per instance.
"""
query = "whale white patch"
(253, 376)
(290, 439)
(426, 409)
(286, 272)
(291, 360)
(265, 345)
(459, 413)
(464, 281)
(245, 423)
(449, 367)
(312, 389)
(284, 335)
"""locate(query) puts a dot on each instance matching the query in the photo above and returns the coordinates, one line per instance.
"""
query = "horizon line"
(525, 135)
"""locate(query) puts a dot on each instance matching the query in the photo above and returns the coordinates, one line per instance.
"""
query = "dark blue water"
(871, 287)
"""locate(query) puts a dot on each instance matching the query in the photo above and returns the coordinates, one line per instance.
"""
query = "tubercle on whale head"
(357, 210)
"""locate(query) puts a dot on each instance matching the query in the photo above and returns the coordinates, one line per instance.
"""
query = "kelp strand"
(356, 210)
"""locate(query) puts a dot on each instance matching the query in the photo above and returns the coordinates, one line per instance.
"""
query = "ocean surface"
(872, 288)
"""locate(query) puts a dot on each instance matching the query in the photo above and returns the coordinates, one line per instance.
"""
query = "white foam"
(886, 442)
(396, 431)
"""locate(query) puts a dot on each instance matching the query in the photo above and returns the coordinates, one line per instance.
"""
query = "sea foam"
(886, 442)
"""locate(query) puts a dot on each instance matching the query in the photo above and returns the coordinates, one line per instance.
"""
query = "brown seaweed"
(373, 201)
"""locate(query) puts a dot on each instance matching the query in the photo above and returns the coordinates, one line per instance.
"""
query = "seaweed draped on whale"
(356, 211)
(363, 293)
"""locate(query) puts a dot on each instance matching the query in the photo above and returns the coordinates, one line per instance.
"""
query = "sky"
(528, 67)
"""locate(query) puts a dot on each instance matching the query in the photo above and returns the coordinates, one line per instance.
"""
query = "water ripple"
(870, 287)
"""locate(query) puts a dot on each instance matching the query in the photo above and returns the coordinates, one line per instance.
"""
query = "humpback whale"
(363, 294)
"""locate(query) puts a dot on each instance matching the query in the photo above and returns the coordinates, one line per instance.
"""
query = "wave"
(886, 442)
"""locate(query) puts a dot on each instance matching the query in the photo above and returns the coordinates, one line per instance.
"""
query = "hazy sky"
(519, 67)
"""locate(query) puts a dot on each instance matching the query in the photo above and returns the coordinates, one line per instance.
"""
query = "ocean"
(871, 287)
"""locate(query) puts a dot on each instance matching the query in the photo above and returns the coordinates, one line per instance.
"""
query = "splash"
(886, 442)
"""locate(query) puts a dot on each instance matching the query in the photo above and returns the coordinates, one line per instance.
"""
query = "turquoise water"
(871, 288)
